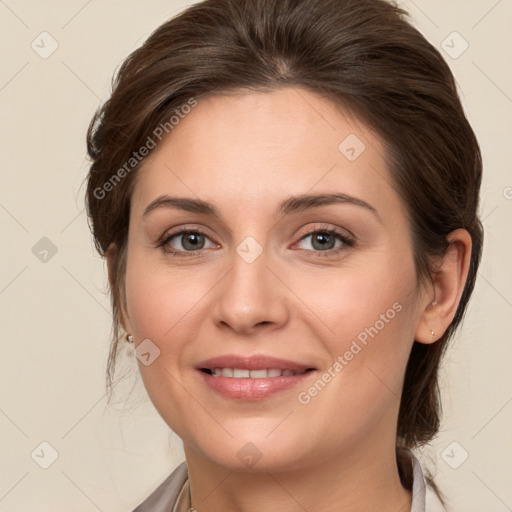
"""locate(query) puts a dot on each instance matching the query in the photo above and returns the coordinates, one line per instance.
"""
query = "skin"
(246, 153)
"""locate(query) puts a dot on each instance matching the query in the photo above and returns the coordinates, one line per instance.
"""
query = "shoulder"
(166, 494)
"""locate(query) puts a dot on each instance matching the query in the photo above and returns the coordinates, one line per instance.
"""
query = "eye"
(183, 242)
(190, 242)
(323, 241)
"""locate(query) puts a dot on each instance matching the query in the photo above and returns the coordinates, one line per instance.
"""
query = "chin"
(255, 454)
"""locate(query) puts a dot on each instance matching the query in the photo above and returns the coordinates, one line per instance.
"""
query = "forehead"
(263, 146)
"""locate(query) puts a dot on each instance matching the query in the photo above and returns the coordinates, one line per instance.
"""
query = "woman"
(286, 193)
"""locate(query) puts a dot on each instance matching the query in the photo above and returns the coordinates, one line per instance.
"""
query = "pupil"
(321, 239)
(192, 240)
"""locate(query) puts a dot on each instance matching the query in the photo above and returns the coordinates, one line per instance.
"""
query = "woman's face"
(268, 277)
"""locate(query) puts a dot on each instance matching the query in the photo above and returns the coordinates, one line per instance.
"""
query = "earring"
(434, 304)
(433, 334)
(129, 338)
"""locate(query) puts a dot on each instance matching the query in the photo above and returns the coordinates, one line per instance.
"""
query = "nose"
(250, 297)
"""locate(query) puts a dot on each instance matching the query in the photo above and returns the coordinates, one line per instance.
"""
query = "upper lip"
(254, 362)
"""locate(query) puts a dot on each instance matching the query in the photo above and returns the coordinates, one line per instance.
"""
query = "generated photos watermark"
(357, 345)
(151, 142)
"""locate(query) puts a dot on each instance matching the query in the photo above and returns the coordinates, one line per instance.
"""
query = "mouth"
(252, 378)
(245, 373)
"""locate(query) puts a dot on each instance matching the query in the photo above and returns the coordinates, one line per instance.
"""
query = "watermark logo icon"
(44, 45)
(454, 455)
(44, 455)
(351, 147)
(44, 250)
(249, 250)
(454, 45)
(249, 455)
(146, 352)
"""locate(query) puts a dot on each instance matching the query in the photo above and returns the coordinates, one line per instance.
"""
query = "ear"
(440, 304)
(112, 256)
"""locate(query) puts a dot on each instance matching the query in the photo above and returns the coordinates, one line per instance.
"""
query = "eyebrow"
(290, 205)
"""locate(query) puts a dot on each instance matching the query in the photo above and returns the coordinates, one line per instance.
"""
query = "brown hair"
(362, 55)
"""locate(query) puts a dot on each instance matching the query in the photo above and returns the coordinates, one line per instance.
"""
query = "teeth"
(259, 374)
(242, 373)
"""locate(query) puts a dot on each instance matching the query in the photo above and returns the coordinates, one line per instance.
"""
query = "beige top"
(173, 494)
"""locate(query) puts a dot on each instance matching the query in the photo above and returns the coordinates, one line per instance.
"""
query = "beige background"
(55, 316)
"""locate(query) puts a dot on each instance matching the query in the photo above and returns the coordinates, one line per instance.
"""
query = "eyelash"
(347, 242)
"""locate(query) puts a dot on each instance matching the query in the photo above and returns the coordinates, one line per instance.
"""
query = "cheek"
(164, 306)
(369, 340)
(367, 317)
(161, 300)
(351, 299)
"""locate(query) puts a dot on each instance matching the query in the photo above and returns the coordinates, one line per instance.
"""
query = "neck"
(355, 480)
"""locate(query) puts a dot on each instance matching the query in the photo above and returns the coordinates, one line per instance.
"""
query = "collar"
(424, 498)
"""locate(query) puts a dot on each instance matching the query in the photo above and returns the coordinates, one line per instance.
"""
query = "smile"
(243, 373)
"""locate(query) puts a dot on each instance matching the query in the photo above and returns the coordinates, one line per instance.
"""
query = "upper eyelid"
(318, 226)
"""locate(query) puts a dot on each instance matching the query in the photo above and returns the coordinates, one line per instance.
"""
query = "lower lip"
(252, 389)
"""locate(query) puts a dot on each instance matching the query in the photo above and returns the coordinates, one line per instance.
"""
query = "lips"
(252, 378)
